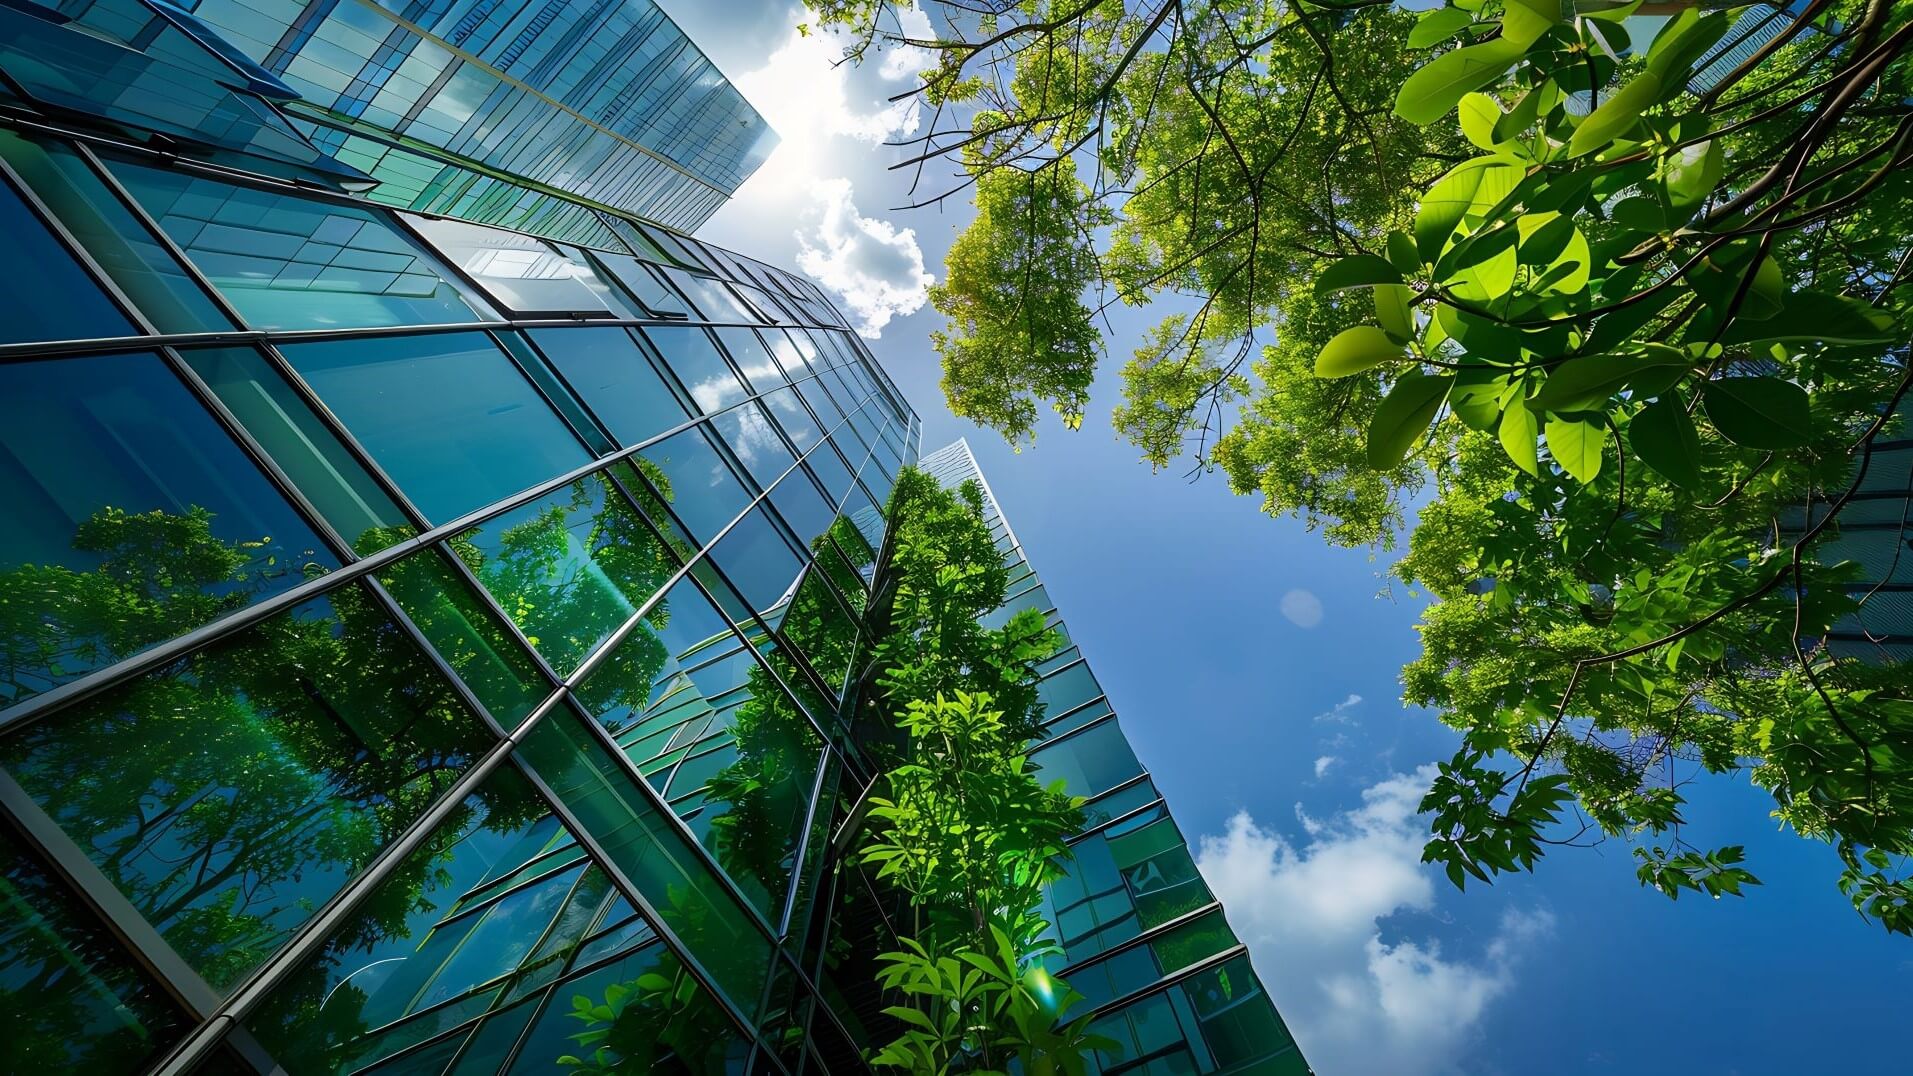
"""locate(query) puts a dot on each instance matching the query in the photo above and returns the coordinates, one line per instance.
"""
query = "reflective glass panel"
(156, 283)
(644, 285)
(614, 377)
(569, 568)
(1089, 761)
(291, 262)
(505, 680)
(130, 517)
(303, 447)
(645, 843)
(699, 367)
(521, 273)
(704, 493)
(755, 442)
(447, 415)
(757, 560)
(71, 999)
(252, 778)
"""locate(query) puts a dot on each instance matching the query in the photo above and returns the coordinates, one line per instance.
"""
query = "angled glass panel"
(569, 568)
(73, 1001)
(131, 517)
(614, 377)
(645, 843)
(699, 366)
(291, 262)
(821, 629)
(757, 560)
(522, 274)
(303, 447)
(704, 492)
(1090, 761)
(447, 415)
(681, 631)
(254, 777)
(755, 442)
(493, 906)
(645, 285)
(1159, 872)
(800, 429)
(761, 371)
(57, 299)
(1238, 1021)
(156, 283)
(504, 679)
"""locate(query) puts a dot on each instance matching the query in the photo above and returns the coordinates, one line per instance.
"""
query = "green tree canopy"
(1621, 318)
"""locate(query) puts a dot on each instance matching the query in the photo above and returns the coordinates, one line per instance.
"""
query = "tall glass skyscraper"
(425, 641)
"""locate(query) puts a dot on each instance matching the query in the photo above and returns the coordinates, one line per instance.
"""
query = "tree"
(1635, 310)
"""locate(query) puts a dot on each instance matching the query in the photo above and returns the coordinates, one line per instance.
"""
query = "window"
(699, 366)
(291, 262)
(447, 415)
(144, 270)
(131, 517)
(521, 274)
(279, 762)
(703, 491)
(74, 1001)
(1089, 761)
(608, 369)
(49, 296)
(754, 441)
(467, 635)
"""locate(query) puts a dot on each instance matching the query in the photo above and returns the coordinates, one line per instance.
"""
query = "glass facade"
(427, 644)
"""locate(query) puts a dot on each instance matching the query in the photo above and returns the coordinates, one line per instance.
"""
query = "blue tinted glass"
(610, 372)
(644, 285)
(253, 778)
(148, 275)
(761, 370)
(288, 262)
(757, 559)
(1090, 761)
(52, 297)
(691, 355)
(521, 273)
(802, 507)
(703, 491)
(752, 438)
(447, 415)
(130, 517)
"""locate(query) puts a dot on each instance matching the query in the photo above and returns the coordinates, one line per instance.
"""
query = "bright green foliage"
(960, 823)
(1012, 291)
(1633, 333)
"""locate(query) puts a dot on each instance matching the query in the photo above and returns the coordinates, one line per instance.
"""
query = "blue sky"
(1280, 740)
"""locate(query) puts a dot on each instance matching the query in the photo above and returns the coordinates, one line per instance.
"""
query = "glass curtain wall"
(463, 618)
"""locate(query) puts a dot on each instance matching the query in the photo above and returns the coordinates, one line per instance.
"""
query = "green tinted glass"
(466, 634)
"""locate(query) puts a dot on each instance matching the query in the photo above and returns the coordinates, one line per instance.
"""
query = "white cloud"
(875, 267)
(1311, 917)
(1302, 608)
(1339, 713)
(830, 115)
(1324, 764)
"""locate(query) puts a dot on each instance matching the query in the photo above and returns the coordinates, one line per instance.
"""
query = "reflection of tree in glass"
(159, 575)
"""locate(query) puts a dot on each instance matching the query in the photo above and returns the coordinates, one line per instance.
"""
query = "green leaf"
(1440, 84)
(1402, 253)
(1393, 312)
(1576, 445)
(1664, 438)
(1437, 26)
(1682, 41)
(1617, 114)
(1525, 21)
(1402, 417)
(1354, 350)
(1479, 113)
(1476, 399)
(1517, 434)
(1356, 271)
(1447, 202)
(1691, 173)
(1819, 317)
(1587, 382)
(1759, 412)
(1766, 293)
(1519, 118)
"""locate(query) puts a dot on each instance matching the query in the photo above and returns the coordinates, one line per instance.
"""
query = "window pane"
(329, 476)
(170, 298)
(58, 300)
(252, 778)
(648, 847)
(821, 629)
(644, 285)
(130, 517)
(699, 367)
(703, 491)
(488, 909)
(72, 1000)
(666, 1022)
(569, 568)
(799, 427)
(520, 273)
(757, 560)
(288, 262)
(755, 442)
(1089, 762)
(622, 690)
(608, 369)
(447, 415)
(751, 356)
(467, 635)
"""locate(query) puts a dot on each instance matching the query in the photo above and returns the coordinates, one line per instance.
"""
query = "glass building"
(425, 641)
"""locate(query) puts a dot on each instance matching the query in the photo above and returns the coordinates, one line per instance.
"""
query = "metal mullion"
(1140, 940)
(58, 230)
(1078, 730)
(411, 630)
(238, 620)
(105, 902)
(635, 895)
(1077, 709)
(800, 857)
